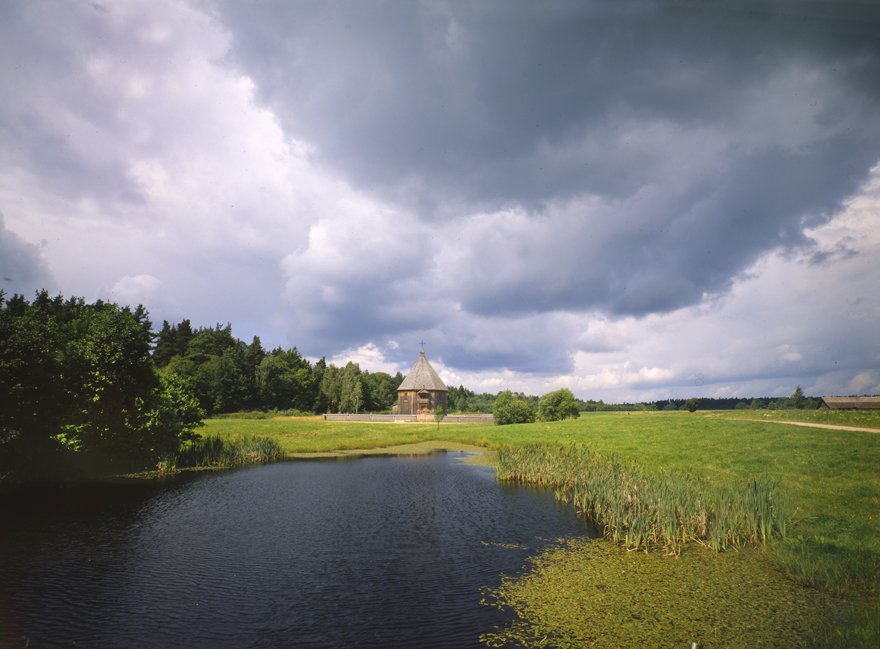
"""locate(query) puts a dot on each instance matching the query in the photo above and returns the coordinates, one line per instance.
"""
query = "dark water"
(379, 552)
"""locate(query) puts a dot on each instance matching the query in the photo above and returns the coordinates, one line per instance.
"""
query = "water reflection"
(381, 552)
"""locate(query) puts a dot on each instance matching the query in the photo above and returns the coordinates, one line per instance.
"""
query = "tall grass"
(215, 451)
(644, 511)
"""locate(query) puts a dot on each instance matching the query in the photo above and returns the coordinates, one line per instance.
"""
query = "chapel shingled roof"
(852, 403)
(422, 377)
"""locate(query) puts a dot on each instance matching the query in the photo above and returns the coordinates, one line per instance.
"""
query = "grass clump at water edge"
(216, 451)
(641, 511)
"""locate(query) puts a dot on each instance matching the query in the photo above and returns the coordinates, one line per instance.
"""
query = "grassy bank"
(828, 480)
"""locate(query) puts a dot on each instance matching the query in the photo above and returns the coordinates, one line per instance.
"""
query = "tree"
(171, 341)
(274, 380)
(439, 414)
(253, 356)
(380, 390)
(797, 398)
(510, 409)
(560, 404)
(331, 385)
(175, 415)
(691, 404)
(319, 404)
(351, 397)
(30, 389)
(78, 385)
(284, 380)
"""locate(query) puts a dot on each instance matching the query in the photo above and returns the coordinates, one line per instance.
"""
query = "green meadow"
(812, 568)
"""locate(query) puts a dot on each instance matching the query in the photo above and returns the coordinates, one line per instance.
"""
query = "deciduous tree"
(510, 409)
(560, 404)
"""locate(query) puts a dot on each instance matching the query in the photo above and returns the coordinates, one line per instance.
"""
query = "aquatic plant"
(644, 511)
(215, 451)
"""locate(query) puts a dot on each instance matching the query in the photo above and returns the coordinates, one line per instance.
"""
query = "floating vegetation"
(505, 546)
(643, 511)
(590, 593)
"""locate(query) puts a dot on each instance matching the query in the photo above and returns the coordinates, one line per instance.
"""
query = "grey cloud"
(81, 109)
(524, 345)
(56, 124)
(454, 108)
(464, 98)
(22, 269)
(840, 251)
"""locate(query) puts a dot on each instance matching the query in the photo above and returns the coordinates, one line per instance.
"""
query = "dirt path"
(858, 429)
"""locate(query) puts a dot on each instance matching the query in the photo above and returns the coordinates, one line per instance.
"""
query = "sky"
(636, 200)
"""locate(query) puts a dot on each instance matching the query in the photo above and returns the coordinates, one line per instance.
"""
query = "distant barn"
(849, 403)
(422, 391)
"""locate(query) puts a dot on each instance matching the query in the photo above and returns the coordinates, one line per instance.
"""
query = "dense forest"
(228, 375)
(95, 385)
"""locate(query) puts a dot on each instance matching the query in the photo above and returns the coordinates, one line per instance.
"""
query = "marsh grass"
(216, 451)
(649, 511)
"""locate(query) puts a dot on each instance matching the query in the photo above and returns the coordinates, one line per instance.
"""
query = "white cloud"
(369, 358)
(137, 289)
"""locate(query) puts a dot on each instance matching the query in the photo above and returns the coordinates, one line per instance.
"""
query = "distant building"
(849, 403)
(422, 391)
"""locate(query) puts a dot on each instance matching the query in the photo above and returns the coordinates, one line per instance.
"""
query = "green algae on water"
(596, 594)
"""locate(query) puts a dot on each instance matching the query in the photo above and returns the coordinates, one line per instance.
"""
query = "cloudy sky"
(636, 200)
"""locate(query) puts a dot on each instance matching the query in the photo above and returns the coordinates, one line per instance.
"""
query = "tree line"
(92, 385)
(89, 388)
(797, 401)
(228, 375)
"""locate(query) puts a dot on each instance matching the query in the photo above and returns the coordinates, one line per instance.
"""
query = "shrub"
(557, 405)
(509, 409)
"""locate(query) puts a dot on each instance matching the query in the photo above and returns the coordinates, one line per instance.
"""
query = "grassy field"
(829, 479)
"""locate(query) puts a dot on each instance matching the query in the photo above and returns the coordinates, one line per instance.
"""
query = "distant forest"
(228, 375)
(94, 378)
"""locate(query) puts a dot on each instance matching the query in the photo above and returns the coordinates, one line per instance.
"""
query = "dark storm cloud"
(743, 126)
(472, 98)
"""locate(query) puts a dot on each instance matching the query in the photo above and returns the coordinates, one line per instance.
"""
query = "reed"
(643, 511)
(215, 451)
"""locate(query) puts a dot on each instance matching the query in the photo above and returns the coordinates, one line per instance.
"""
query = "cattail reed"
(218, 452)
(645, 511)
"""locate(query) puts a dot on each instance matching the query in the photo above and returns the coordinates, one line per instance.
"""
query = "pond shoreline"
(411, 449)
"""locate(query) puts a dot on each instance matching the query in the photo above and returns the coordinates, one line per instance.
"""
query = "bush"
(557, 405)
(509, 409)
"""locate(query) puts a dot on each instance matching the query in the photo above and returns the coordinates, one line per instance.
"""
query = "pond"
(375, 552)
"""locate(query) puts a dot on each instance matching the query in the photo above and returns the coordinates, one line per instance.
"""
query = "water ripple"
(383, 552)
